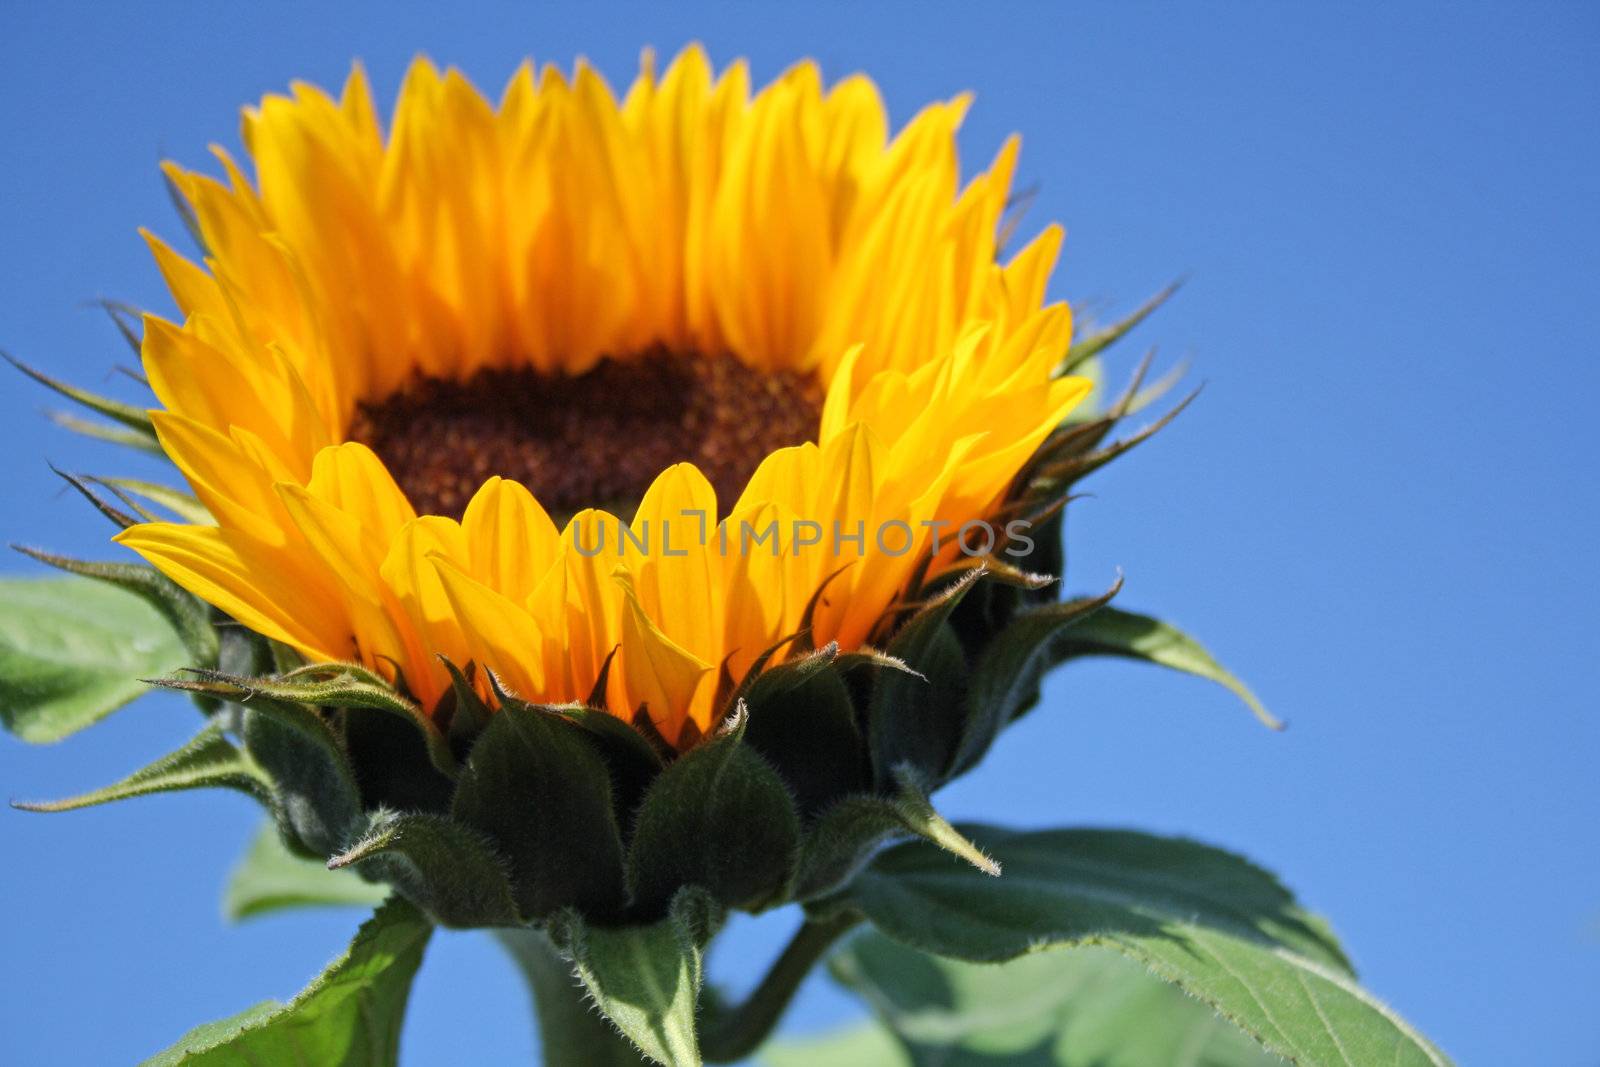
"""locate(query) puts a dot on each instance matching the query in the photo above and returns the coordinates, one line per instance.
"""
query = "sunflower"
(609, 399)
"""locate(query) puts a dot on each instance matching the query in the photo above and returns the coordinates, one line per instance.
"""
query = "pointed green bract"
(1113, 632)
(314, 787)
(848, 833)
(441, 865)
(535, 786)
(719, 818)
(208, 761)
(646, 979)
(1079, 1007)
(1005, 680)
(269, 878)
(1216, 926)
(350, 1014)
(332, 685)
(916, 716)
(72, 650)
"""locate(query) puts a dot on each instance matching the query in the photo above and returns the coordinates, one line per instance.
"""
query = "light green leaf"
(646, 979)
(349, 1015)
(1113, 632)
(270, 878)
(1209, 922)
(1077, 1007)
(208, 761)
(72, 650)
(869, 1045)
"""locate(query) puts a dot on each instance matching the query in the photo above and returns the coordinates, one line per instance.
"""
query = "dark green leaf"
(720, 818)
(72, 651)
(1113, 632)
(349, 1015)
(1221, 929)
(208, 761)
(441, 865)
(535, 786)
(271, 878)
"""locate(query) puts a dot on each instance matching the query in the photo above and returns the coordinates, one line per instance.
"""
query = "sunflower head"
(601, 497)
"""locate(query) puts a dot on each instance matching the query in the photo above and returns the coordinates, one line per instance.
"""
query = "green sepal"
(133, 418)
(189, 618)
(915, 717)
(127, 319)
(109, 432)
(847, 835)
(269, 878)
(443, 867)
(208, 761)
(182, 504)
(1113, 632)
(331, 685)
(350, 1014)
(632, 760)
(646, 979)
(802, 721)
(1088, 347)
(72, 651)
(1005, 679)
(536, 787)
(719, 818)
(463, 712)
(318, 801)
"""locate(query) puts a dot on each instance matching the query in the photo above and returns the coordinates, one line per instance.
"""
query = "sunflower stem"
(572, 1032)
(728, 1034)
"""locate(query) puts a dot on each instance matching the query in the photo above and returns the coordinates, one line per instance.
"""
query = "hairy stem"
(732, 1033)
(572, 1033)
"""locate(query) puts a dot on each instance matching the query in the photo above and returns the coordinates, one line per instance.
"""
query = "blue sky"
(1381, 511)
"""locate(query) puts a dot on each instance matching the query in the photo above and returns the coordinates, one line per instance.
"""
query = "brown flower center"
(596, 439)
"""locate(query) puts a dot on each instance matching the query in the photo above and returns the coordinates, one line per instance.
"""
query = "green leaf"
(858, 1046)
(440, 864)
(208, 761)
(1077, 1007)
(646, 979)
(1222, 930)
(72, 650)
(720, 818)
(537, 789)
(188, 616)
(350, 1014)
(1113, 632)
(270, 878)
